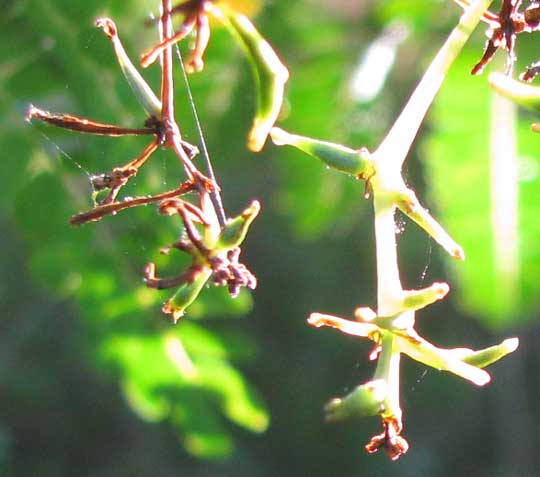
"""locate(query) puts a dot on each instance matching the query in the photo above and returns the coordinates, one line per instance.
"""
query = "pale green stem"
(388, 370)
(391, 153)
(389, 158)
(397, 143)
(389, 297)
(389, 290)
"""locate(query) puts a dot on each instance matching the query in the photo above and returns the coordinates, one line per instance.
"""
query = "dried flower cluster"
(504, 27)
(212, 241)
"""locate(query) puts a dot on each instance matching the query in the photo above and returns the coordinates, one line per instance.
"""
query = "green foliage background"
(87, 384)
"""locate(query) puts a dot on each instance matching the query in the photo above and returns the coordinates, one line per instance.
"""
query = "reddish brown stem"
(151, 55)
(167, 85)
(152, 281)
(171, 131)
(97, 213)
(138, 162)
(77, 123)
(188, 212)
(121, 175)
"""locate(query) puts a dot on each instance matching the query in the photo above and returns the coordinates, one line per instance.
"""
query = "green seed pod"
(186, 295)
(417, 299)
(442, 359)
(487, 356)
(365, 400)
(236, 229)
(408, 203)
(270, 73)
(344, 159)
(141, 89)
(521, 93)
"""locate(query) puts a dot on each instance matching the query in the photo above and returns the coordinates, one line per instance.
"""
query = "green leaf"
(460, 171)
(239, 401)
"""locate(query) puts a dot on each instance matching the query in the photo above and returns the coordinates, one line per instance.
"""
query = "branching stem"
(397, 143)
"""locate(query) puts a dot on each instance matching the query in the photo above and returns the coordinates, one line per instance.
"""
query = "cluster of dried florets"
(504, 27)
(212, 240)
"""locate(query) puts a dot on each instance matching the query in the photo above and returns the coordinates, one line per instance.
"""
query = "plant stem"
(167, 85)
(389, 157)
(397, 143)
(388, 160)
(388, 370)
(173, 138)
(389, 290)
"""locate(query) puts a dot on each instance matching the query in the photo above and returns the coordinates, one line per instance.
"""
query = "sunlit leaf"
(460, 171)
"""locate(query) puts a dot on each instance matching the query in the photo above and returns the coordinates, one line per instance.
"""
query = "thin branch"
(87, 126)
(97, 213)
(396, 145)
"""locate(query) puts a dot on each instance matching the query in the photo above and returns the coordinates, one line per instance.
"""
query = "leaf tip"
(107, 26)
(279, 136)
(482, 378)
(316, 319)
(458, 253)
(32, 112)
(510, 345)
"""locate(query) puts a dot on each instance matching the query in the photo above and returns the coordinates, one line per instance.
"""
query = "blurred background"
(93, 379)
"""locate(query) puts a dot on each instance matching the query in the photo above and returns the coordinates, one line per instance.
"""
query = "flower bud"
(186, 294)
(271, 74)
(141, 89)
(487, 356)
(236, 229)
(365, 400)
(336, 156)
(408, 203)
(417, 299)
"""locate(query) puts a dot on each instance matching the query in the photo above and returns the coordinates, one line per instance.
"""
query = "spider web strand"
(214, 195)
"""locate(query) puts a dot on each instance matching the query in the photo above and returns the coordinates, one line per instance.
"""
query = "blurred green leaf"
(457, 156)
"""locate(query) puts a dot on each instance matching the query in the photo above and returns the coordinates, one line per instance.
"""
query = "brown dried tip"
(530, 73)
(108, 27)
(184, 208)
(31, 113)
(390, 440)
(152, 281)
(231, 273)
(458, 253)
(84, 125)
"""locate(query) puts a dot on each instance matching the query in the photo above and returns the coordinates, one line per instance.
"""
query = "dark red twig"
(97, 213)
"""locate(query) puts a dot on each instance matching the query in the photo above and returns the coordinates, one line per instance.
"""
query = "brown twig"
(171, 131)
(87, 126)
(97, 213)
(152, 281)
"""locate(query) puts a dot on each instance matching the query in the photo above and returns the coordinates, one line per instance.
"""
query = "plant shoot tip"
(107, 26)
(511, 344)
(441, 288)
(458, 253)
(316, 319)
(279, 136)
